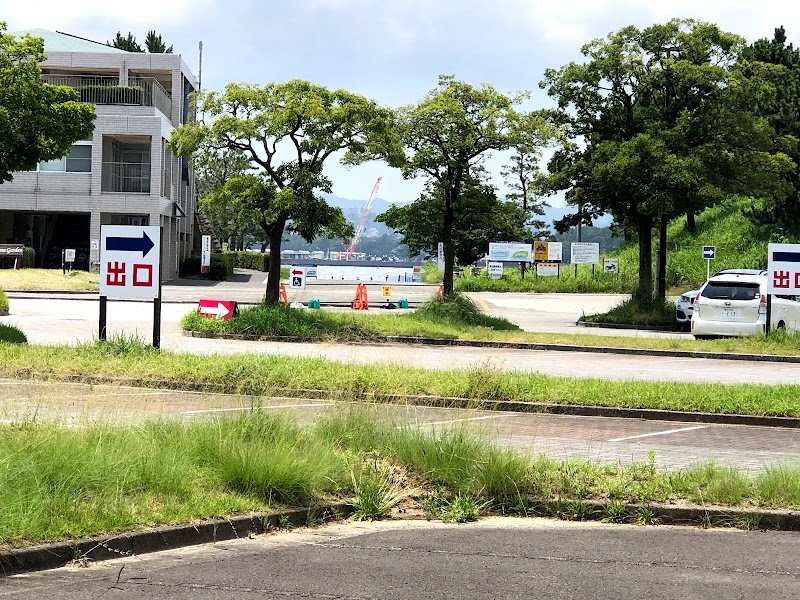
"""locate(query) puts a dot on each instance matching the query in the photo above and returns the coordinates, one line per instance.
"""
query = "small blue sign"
(709, 252)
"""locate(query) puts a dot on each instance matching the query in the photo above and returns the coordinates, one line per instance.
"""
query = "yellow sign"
(540, 251)
(387, 290)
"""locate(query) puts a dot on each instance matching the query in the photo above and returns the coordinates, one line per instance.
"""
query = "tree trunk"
(691, 224)
(661, 286)
(449, 251)
(644, 292)
(275, 234)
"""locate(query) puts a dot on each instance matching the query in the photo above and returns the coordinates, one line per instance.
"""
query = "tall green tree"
(213, 169)
(127, 43)
(479, 217)
(448, 133)
(288, 131)
(666, 124)
(155, 44)
(38, 121)
(783, 112)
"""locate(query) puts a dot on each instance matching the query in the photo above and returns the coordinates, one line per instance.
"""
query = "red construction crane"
(363, 220)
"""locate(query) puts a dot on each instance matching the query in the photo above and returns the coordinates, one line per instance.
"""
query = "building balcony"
(126, 177)
(140, 91)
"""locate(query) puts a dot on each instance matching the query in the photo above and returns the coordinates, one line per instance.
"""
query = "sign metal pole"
(157, 299)
(103, 315)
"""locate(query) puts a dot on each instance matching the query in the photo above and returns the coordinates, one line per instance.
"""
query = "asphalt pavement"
(491, 559)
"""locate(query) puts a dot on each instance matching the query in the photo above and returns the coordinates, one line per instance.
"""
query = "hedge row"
(258, 261)
(222, 266)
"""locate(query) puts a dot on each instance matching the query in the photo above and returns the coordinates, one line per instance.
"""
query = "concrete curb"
(50, 556)
(629, 327)
(688, 515)
(511, 345)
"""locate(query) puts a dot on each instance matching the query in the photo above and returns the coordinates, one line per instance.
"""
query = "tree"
(479, 217)
(155, 44)
(214, 168)
(783, 113)
(288, 131)
(667, 126)
(128, 44)
(446, 134)
(38, 121)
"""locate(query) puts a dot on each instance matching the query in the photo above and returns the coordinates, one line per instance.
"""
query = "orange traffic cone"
(282, 294)
(360, 302)
(440, 293)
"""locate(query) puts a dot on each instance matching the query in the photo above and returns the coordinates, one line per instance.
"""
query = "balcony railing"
(140, 91)
(131, 178)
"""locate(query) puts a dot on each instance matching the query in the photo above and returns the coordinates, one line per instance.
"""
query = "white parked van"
(734, 302)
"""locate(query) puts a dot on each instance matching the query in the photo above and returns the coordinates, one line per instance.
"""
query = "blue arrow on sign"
(786, 256)
(130, 244)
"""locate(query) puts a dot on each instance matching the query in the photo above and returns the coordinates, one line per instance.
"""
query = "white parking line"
(467, 419)
(644, 435)
(216, 410)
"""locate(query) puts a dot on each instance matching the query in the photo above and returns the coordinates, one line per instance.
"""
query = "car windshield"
(733, 290)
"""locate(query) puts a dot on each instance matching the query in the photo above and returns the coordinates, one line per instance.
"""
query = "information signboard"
(783, 269)
(510, 251)
(584, 253)
(495, 270)
(547, 269)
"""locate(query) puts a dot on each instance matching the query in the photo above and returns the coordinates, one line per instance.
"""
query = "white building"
(124, 174)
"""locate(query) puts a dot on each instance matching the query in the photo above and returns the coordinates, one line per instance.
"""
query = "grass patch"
(447, 317)
(30, 280)
(631, 312)
(3, 303)
(12, 335)
(276, 375)
(60, 483)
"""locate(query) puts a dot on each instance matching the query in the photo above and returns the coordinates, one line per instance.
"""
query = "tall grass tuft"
(458, 310)
(12, 335)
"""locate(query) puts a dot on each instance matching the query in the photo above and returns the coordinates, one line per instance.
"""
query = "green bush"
(12, 334)
(258, 261)
(26, 261)
(222, 266)
(3, 303)
(112, 94)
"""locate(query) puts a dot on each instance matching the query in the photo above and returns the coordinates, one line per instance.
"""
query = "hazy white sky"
(389, 50)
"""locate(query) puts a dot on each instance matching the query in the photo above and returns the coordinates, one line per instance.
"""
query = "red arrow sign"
(216, 309)
(298, 272)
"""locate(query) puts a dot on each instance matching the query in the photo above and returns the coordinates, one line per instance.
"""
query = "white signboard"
(495, 270)
(783, 269)
(584, 253)
(69, 255)
(440, 256)
(130, 260)
(297, 278)
(205, 254)
(611, 265)
(510, 252)
(554, 251)
(547, 269)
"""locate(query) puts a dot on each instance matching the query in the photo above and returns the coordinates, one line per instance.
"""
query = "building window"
(79, 160)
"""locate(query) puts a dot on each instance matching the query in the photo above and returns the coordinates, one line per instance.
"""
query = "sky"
(389, 50)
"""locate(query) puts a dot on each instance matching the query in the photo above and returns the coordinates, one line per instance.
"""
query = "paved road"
(491, 559)
(597, 439)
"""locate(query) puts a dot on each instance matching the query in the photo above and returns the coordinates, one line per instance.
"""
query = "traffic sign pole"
(103, 318)
(157, 299)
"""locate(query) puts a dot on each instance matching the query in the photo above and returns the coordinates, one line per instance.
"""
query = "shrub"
(258, 261)
(222, 266)
(3, 303)
(12, 335)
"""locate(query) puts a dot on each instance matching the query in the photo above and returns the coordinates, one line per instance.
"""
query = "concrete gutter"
(58, 554)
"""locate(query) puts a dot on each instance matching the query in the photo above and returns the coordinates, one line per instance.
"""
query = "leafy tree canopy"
(38, 121)
(287, 131)
(447, 134)
(480, 217)
(665, 123)
(153, 43)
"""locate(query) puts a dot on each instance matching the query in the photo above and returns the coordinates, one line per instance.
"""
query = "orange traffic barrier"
(282, 294)
(360, 302)
(440, 293)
